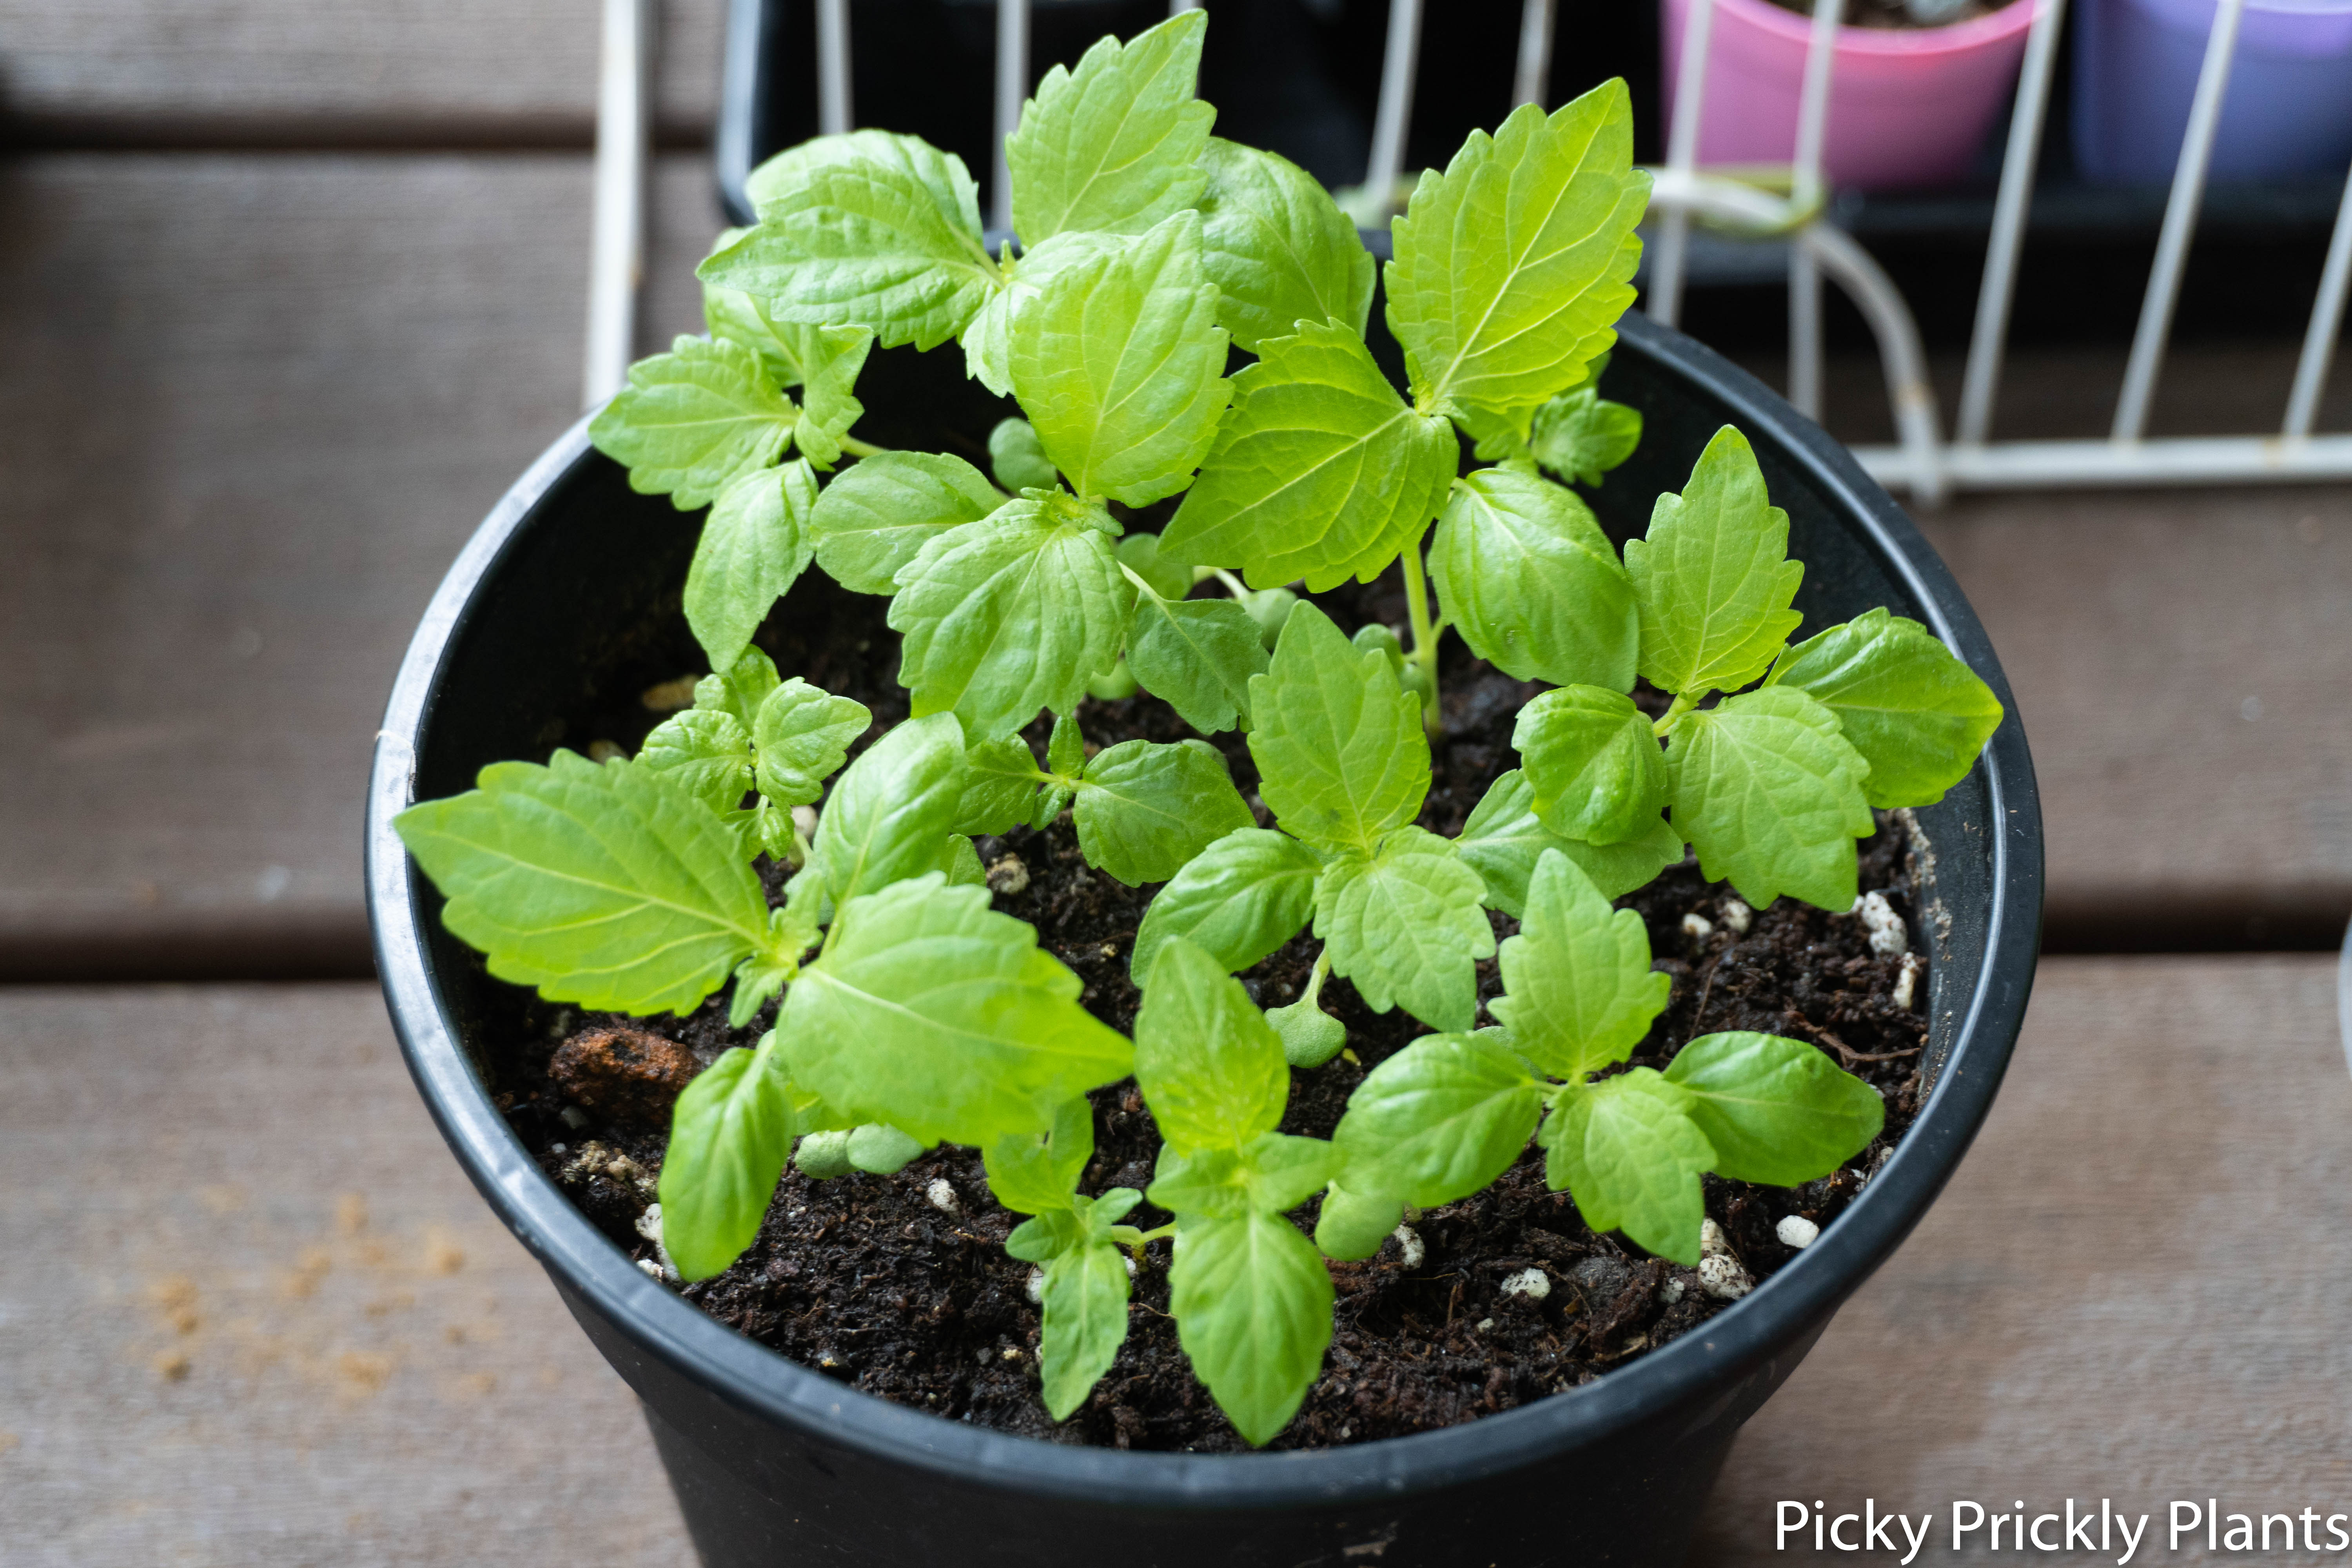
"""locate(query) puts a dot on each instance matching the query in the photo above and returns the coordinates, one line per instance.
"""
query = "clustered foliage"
(911, 1013)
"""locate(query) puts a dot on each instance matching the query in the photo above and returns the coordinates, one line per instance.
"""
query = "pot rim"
(1685, 1374)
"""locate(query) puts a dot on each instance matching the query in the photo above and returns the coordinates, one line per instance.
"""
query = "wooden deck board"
(251, 406)
(437, 72)
(254, 1316)
(2131, 1290)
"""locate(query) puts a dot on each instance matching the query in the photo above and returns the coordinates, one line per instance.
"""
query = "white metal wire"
(1999, 290)
(2105, 464)
(618, 227)
(1534, 75)
(833, 107)
(1671, 257)
(1012, 87)
(2179, 223)
(2327, 320)
(1805, 192)
(1400, 63)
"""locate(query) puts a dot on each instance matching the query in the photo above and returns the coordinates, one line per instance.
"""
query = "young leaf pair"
(1509, 271)
(1142, 808)
(1447, 1115)
(1771, 786)
(749, 731)
(1344, 766)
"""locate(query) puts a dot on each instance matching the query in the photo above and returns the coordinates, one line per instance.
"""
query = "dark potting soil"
(900, 1285)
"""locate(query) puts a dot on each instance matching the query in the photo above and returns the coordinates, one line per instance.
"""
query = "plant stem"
(857, 448)
(1313, 996)
(1665, 723)
(1424, 636)
(1234, 585)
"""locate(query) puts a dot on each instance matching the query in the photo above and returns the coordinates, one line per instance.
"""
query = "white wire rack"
(1921, 461)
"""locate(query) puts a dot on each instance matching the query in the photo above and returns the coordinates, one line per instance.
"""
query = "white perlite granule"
(1671, 1291)
(1797, 1231)
(944, 1197)
(1736, 915)
(649, 1226)
(1409, 1250)
(1532, 1283)
(1036, 1285)
(1697, 927)
(1885, 927)
(1720, 1273)
(1907, 985)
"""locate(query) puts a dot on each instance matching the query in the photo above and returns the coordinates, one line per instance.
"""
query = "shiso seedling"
(910, 1012)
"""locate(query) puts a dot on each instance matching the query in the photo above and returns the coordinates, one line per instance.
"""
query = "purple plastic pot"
(2288, 110)
(1908, 107)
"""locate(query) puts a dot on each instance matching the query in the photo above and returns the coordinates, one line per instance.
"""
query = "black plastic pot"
(774, 1463)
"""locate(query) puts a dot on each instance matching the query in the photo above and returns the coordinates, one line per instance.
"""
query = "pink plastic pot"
(1907, 107)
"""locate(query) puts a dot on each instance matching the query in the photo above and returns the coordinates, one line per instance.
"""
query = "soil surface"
(1894, 14)
(900, 1286)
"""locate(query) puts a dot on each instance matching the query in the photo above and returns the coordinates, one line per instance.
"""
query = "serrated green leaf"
(1580, 435)
(1204, 1181)
(1405, 925)
(1238, 899)
(1713, 578)
(1320, 470)
(1278, 248)
(1120, 364)
(1253, 1307)
(1628, 1154)
(881, 232)
(1439, 1121)
(1777, 1110)
(1527, 576)
(1139, 553)
(803, 733)
(754, 544)
(1512, 267)
(1580, 991)
(1053, 1232)
(1197, 655)
(1018, 458)
(830, 358)
(1114, 144)
(988, 340)
(1917, 715)
(1037, 1172)
(1771, 795)
(932, 1012)
(887, 814)
(1274, 1172)
(874, 518)
(1208, 1065)
(1340, 754)
(692, 420)
(1000, 786)
(1504, 838)
(1593, 763)
(737, 688)
(704, 753)
(1011, 614)
(1084, 1299)
(1146, 809)
(609, 886)
(791, 934)
(728, 1135)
